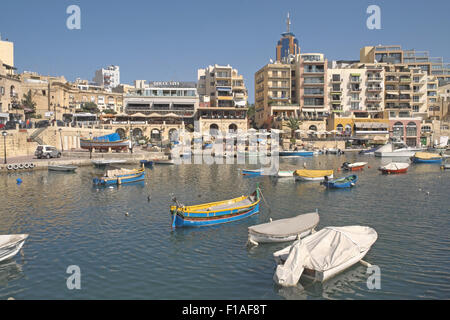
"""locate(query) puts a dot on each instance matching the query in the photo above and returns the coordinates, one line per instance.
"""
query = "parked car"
(47, 152)
(42, 124)
(11, 125)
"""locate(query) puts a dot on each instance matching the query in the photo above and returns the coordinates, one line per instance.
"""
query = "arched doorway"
(137, 133)
(348, 130)
(214, 129)
(155, 135)
(232, 128)
(398, 130)
(340, 128)
(313, 128)
(121, 133)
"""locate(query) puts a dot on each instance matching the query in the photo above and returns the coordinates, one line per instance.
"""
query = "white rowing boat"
(283, 230)
(10, 245)
(323, 254)
(106, 162)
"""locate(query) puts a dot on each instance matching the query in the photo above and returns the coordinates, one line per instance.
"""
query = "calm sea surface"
(70, 222)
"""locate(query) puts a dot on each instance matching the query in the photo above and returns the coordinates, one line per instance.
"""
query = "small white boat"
(106, 162)
(10, 245)
(62, 168)
(285, 174)
(164, 161)
(283, 230)
(389, 150)
(394, 167)
(323, 254)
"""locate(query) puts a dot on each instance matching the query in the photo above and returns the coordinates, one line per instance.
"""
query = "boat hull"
(104, 145)
(62, 168)
(259, 238)
(296, 153)
(419, 160)
(253, 173)
(300, 178)
(347, 182)
(129, 178)
(390, 171)
(9, 249)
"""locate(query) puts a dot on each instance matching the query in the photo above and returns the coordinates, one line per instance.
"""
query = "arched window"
(348, 129)
(214, 129)
(398, 130)
(137, 133)
(155, 135)
(313, 128)
(232, 128)
(340, 128)
(411, 129)
(121, 133)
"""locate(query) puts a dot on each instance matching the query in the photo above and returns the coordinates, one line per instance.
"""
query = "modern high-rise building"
(108, 77)
(288, 44)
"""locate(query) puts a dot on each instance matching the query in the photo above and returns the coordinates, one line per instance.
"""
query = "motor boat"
(397, 150)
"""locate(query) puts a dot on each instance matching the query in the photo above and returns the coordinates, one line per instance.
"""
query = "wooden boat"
(147, 163)
(283, 230)
(215, 212)
(164, 161)
(313, 175)
(107, 162)
(323, 254)
(120, 176)
(426, 157)
(346, 182)
(255, 173)
(10, 245)
(394, 167)
(354, 166)
(285, 174)
(62, 168)
(300, 153)
(105, 143)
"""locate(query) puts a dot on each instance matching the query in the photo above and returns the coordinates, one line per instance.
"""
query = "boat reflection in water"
(10, 271)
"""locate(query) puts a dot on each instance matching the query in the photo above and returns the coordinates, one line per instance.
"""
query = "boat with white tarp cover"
(283, 230)
(323, 254)
(10, 245)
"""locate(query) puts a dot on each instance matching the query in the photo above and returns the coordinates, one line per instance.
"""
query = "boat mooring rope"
(264, 199)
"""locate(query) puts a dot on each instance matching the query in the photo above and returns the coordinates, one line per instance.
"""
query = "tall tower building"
(288, 44)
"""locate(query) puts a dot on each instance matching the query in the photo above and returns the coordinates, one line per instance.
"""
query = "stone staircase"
(35, 136)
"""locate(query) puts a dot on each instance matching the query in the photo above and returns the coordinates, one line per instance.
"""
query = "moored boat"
(354, 166)
(283, 230)
(105, 143)
(299, 153)
(255, 173)
(107, 162)
(323, 254)
(313, 175)
(164, 161)
(370, 151)
(147, 163)
(120, 176)
(426, 157)
(215, 212)
(394, 167)
(340, 183)
(62, 168)
(402, 150)
(285, 174)
(10, 245)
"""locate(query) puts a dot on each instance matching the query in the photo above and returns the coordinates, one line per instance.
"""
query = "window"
(398, 130)
(411, 129)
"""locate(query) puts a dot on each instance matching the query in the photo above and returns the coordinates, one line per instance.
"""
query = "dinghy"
(10, 245)
(215, 212)
(283, 230)
(313, 175)
(354, 166)
(323, 254)
(62, 168)
(285, 174)
(346, 182)
(394, 167)
(255, 173)
(300, 153)
(426, 157)
(120, 176)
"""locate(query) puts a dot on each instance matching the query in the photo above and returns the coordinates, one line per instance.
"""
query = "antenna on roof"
(288, 22)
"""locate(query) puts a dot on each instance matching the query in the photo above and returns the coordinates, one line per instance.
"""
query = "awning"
(240, 103)
(371, 125)
(4, 115)
(223, 89)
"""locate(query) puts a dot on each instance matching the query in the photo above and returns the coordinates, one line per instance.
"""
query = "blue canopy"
(108, 138)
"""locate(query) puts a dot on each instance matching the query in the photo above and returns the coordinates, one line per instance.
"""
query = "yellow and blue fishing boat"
(120, 176)
(215, 212)
(426, 157)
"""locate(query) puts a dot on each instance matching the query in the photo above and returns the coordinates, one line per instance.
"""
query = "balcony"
(374, 99)
(338, 109)
(405, 80)
(355, 80)
(374, 79)
(336, 80)
(374, 89)
(353, 89)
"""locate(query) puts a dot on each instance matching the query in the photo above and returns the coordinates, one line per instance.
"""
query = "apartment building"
(108, 77)
(434, 66)
(223, 99)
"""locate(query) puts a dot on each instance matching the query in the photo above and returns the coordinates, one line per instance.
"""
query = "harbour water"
(138, 256)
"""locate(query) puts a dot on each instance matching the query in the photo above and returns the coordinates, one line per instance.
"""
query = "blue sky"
(170, 40)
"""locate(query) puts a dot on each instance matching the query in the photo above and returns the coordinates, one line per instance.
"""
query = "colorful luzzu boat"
(215, 212)
(300, 153)
(120, 176)
(426, 157)
(313, 175)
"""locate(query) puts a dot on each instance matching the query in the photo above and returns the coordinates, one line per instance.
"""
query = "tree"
(28, 103)
(109, 111)
(293, 124)
(90, 107)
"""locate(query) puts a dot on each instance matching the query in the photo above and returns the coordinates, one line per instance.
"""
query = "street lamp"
(4, 134)
(60, 137)
(90, 147)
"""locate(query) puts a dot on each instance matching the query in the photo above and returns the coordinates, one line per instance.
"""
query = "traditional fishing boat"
(105, 143)
(394, 167)
(147, 163)
(10, 245)
(313, 175)
(255, 173)
(283, 230)
(340, 183)
(426, 157)
(120, 176)
(353, 166)
(62, 168)
(300, 153)
(323, 254)
(215, 212)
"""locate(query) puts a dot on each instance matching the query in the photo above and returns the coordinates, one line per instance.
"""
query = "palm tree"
(28, 102)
